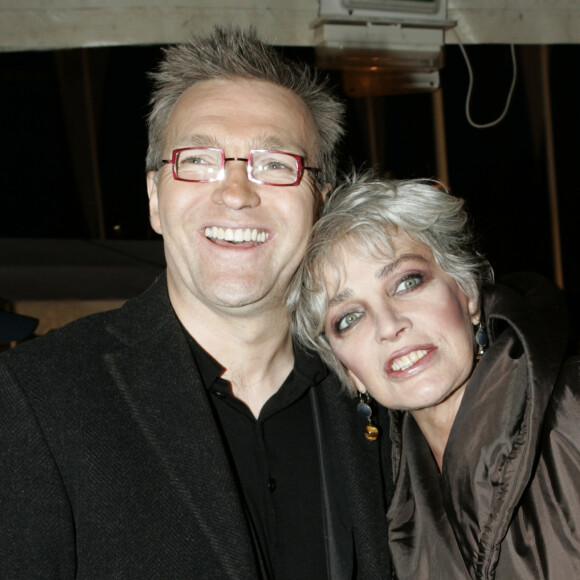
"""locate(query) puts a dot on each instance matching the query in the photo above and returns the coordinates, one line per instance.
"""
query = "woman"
(486, 453)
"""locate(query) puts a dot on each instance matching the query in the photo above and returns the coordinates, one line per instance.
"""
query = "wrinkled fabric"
(507, 503)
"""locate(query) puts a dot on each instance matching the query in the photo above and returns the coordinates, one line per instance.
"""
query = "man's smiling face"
(268, 225)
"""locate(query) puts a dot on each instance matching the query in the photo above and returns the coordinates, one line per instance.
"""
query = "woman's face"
(402, 327)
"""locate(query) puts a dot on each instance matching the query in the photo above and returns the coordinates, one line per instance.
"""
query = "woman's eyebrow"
(342, 296)
(388, 268)
(347, 293)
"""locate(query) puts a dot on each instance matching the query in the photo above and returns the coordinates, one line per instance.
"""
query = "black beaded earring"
(364, 409)
(481, 339)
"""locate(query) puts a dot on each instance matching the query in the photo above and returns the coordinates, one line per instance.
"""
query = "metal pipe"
(551, 166)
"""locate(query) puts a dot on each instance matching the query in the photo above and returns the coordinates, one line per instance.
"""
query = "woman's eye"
(346, 321)
(409, 283)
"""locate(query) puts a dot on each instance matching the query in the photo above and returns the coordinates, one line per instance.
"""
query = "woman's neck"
(436, 422)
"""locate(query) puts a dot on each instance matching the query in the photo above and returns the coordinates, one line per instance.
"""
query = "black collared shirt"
(277, 465)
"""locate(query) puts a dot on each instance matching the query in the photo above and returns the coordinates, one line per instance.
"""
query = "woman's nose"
(390, 324)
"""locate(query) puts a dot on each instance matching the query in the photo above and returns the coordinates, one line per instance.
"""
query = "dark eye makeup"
(408, 283)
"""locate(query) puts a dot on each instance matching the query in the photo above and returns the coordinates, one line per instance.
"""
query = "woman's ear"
(356, 382)
(474, 307)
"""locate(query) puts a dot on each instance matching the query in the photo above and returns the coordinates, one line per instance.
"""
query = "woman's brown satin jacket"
(507, 503)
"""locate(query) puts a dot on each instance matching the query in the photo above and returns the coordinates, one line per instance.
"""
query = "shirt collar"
(307, 365)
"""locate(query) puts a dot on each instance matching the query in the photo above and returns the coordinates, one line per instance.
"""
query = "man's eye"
(193, 160)
(409, 283)
(275, 166)
(346, 321)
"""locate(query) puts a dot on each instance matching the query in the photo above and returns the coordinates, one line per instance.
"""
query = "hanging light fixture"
(382, 46)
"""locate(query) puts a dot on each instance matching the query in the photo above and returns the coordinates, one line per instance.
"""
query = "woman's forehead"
(334, 268)
(366, 249)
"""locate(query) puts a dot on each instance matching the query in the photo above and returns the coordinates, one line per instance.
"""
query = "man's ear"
(152, 192)
(320, 199)
(356, 382)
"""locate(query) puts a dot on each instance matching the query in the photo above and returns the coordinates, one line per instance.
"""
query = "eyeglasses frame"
(221, 174)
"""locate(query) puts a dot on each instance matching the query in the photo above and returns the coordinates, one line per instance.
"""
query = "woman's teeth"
(408, 360)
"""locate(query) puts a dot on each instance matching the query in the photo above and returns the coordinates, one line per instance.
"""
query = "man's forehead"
(227, 142)
(245, 113)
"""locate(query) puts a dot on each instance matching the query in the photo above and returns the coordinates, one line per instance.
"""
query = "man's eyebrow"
(270, 142)
(281, 145)
(386, 270)
(199, 140)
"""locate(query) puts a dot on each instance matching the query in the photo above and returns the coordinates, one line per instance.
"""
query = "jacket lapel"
(156, 375)
(359, 471)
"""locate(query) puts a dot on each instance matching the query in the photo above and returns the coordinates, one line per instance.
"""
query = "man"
(182, 436)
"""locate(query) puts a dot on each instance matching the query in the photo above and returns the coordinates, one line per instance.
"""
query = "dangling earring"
(364, 408)
(481, 339)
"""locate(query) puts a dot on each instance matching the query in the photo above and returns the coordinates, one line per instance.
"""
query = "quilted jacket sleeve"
(547, 523)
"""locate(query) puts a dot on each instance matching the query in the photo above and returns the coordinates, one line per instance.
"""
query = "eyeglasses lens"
(199, 164)
(206, 164)
(274, 168)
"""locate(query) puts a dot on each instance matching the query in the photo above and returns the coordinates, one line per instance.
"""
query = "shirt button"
(271, 484)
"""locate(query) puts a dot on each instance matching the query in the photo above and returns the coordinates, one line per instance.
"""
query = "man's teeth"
(236, 235)
(408, 360)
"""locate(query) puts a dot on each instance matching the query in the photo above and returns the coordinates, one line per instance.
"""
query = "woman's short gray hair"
(231, 53)
(364, 213)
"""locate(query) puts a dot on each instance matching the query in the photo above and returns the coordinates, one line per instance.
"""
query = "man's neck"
(259, 374)
(255, 348)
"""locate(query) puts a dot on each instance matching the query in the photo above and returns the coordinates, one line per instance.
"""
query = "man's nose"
(236, 190)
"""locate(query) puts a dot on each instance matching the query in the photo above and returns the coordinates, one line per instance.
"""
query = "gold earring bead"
(371, 432)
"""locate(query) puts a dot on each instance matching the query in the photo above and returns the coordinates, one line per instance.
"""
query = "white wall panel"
(48, 24)
(515, 21)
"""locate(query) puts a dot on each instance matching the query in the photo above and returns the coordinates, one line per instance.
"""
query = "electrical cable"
(471, 83)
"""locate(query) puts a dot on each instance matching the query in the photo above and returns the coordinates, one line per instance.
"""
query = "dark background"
(49, 156)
